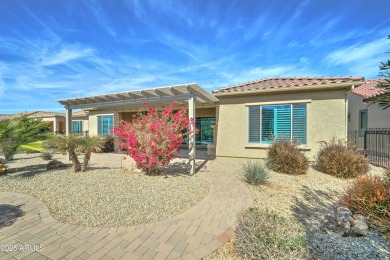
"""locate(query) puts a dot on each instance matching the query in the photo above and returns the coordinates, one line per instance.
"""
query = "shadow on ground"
(311, 208)
(9, 214)
(28, 171)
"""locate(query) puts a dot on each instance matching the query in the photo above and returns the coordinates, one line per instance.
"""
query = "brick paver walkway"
(190, 235)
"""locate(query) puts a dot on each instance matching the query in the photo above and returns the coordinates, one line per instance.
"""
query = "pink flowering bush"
(152, 139)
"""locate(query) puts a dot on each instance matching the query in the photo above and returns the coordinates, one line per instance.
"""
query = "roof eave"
(375, 98)
(343, 85)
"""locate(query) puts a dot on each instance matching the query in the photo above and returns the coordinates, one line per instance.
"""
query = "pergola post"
(191, 137)
(68, 121)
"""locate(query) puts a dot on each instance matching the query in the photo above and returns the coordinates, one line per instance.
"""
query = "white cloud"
(65, 55)
(358, 52)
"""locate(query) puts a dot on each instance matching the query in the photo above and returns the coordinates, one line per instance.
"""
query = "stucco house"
(56, 121)
(240, 120)
(363, 114)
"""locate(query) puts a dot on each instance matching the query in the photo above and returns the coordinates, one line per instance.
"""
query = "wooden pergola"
(191, 93)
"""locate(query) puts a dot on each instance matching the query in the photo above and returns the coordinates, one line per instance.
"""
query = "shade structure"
(191, 93)
(156, 96)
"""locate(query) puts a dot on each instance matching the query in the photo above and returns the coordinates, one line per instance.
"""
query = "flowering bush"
(153, 138)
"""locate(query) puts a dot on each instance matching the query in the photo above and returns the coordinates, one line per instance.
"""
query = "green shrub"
(108, 144)
(47, 156)
(254, 172)
(369, 195)
(341, 159)
(285, 157)
(261, 234)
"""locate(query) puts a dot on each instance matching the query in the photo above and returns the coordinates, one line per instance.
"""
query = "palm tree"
(69, 144)
(20, 131)
(88, 145)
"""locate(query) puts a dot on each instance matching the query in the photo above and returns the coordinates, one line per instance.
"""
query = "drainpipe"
(346, 110)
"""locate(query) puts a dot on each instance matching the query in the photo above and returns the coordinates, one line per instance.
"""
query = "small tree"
(69, 144)
(88, 145)
(153, 138)
(20, 131)
(384, 100)
(72, 144)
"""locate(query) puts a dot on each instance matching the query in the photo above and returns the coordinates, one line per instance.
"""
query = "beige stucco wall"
(92, 120)
(376, 117)
(326, 117)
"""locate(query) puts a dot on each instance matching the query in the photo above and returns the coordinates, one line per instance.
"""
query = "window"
(205, 133)
(362, 121)
(267, 123)
(77, 126)
(104, 124)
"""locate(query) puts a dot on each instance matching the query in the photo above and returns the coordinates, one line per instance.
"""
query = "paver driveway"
(190, 235)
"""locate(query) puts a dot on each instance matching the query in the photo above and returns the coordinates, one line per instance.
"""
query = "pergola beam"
(191, 138)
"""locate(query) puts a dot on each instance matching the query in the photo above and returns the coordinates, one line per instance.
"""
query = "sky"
(51, 50)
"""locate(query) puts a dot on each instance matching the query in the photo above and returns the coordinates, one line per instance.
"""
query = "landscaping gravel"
(307, 198)
(103, 196)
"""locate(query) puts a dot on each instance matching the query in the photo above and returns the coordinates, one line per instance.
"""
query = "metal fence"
(375, 142)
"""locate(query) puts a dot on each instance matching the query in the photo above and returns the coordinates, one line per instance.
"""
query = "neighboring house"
(241, 120)
(362, 114)
(56, 121)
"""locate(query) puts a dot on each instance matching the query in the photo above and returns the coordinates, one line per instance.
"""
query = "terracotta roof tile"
(369, 89)
(274, 83)
(79, 114)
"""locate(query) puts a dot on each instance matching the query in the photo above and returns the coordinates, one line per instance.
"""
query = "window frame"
(100, 117)
(80, 124)
(361, 132)
(291, 104)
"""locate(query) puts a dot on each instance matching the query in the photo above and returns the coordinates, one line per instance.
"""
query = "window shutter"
(254, 124)
(100, 126)
(283, 122)
(299, 123)
(267, 124)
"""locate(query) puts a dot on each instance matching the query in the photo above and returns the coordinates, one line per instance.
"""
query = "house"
(56, 121)
(241, 120)
(363, 114)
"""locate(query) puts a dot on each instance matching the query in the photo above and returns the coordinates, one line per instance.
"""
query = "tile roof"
(79, 114)
(45, 114)
(4, 116)
(369, 89)
(275, 83)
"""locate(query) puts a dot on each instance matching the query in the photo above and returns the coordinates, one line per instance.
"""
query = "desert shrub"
(47, 156)
(284, 156)
(154, 137)
(369, 195)
(341, 159)
(254, 172)
(260, 234)
(108, 144)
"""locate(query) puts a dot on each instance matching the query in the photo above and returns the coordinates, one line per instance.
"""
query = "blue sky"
(59, 49)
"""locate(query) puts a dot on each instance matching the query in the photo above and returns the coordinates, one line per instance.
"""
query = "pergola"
(191, 93)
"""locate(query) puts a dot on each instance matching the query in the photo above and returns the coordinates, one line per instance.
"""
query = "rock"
(327, 226)
(55, 164)
(341, 221)
(359, 229)
(343, 213)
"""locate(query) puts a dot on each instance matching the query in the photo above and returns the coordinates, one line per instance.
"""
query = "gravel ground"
(103, 196)
(307, 198)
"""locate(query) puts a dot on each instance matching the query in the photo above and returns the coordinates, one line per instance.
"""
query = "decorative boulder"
(341, 221)
(360, 227)
(55, 164)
